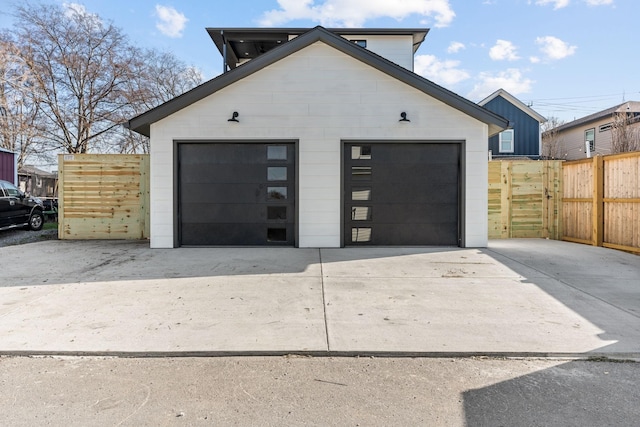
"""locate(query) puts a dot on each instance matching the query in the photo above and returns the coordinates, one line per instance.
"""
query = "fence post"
(60, 196)
(506, 216)
(597, 235)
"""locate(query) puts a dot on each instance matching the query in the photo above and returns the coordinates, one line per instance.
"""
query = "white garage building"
(318, 138)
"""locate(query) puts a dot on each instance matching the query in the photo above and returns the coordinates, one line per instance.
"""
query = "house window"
(605, 127)
(361, 43)
(590, 136)
(506, 141)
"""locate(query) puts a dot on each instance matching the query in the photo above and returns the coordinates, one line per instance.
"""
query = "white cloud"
(512, 80)
(354, 13)
(554, 48)
(74, 8)
(557, 4)
(455, 47)
(534, 59)
(598, 2)
(444, 73)
(170, 22)
(78, 11)
(503, 50)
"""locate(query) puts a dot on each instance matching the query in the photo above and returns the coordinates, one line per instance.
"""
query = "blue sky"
(568, 58)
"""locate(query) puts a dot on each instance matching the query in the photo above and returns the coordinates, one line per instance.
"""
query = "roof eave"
(141, 123)
(515, 101)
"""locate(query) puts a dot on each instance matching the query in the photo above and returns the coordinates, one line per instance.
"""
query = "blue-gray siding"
(526, 129)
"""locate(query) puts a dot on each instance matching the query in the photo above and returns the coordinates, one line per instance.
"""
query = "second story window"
(605, 127)
(506, 141)
(361, 43)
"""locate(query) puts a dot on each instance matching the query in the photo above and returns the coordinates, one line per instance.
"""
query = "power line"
(593, 97)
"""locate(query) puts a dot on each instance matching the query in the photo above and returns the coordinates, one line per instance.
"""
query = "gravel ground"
(19, 237)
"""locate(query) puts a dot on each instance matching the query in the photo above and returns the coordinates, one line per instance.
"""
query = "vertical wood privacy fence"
(103, 196)
(594, 201)
(525, 199)
(601, 201)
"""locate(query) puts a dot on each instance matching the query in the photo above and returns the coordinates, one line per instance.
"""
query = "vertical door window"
(361, 152)
(360, 194)
(361, 213)
(276, 212)
(277, 173)
(360, 234)
(276, 152)
(276, 234)
(361, 171)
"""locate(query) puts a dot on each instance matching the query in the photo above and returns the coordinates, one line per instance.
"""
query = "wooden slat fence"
(525, 199)
(103, 196)
(594, 201)
(602, 201)
(577, 201)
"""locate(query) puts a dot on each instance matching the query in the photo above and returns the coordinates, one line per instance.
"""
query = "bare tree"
(624, 136)
(19, 128)
(80, 65)
(70, 80)
(551, 140)
(160, 77)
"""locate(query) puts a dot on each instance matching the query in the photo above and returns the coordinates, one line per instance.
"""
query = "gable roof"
(142, 123)
(516, 102)
(625, 107)
(32, 170)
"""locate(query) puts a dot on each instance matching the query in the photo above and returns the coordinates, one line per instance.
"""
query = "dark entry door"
(236, 194)
(401, 194)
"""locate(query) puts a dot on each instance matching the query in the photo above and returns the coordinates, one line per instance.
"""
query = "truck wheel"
(36, 221)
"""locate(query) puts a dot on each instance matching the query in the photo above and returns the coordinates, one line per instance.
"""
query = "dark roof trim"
(595, 116)
(515, 102)
(142, 123)
(216, 34)
(247, 39)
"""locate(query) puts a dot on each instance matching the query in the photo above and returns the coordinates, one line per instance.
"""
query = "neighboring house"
(596, 129)
(8, 166)
(37, 182)
(318, 141)
(523, 138)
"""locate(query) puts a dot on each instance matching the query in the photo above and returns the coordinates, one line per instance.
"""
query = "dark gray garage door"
(236, 194)
(401, 194)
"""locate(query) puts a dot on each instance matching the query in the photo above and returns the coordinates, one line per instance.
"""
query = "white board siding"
(397, 49)
(319, 97)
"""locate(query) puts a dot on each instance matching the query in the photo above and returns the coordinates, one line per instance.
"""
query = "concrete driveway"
(516, 298)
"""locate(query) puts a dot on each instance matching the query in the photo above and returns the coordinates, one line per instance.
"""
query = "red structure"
(8, 166)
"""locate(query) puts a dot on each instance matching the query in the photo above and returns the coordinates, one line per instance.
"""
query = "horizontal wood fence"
(601, 201)
(103, 196)
(594, 201)
(525, 199)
